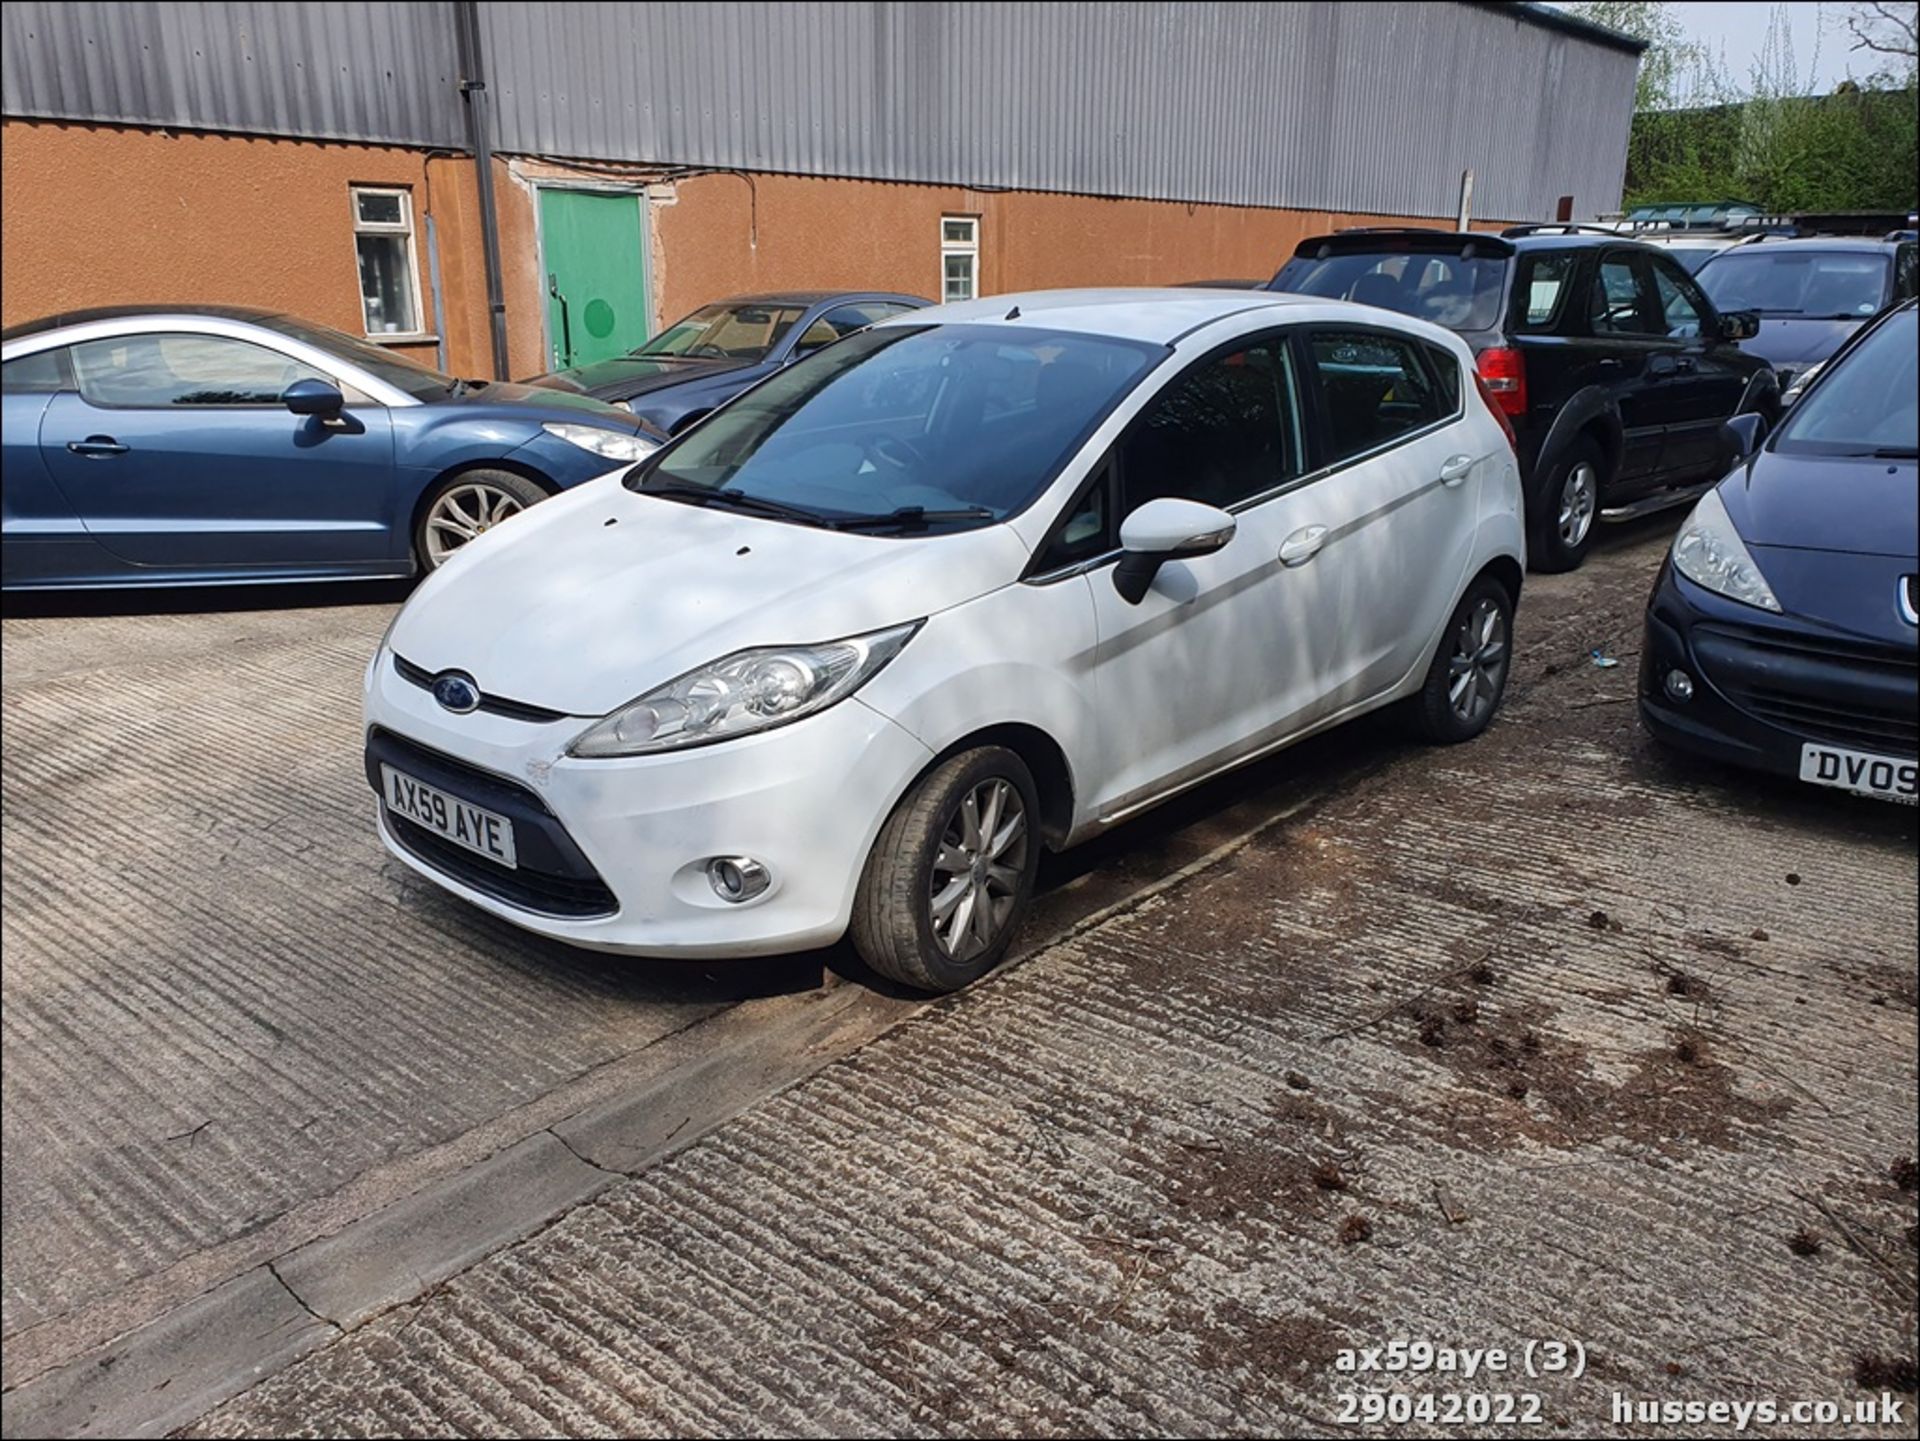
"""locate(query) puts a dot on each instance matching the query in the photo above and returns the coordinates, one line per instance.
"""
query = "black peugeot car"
(1781, 632)
(1614, 368)
(701, 362)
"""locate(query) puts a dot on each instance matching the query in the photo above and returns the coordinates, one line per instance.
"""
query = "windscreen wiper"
(735, 500)
(911, 515)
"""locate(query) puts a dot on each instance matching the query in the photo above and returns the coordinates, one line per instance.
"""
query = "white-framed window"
(959, 257)
(389, 270)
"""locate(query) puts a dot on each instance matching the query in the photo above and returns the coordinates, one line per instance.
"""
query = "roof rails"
(1559, 227)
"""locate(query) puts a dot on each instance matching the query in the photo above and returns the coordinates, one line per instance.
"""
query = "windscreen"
(1868, 402)
(966, 422)
(1445, 289)
(726, 332)
(1832, 284)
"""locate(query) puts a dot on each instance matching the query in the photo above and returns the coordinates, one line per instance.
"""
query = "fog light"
(737, 878)
(1680, 685)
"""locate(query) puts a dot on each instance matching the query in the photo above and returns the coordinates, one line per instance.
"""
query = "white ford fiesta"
(975, 581)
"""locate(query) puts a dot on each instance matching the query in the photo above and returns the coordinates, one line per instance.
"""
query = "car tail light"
(1493, 405)
(1503, 372)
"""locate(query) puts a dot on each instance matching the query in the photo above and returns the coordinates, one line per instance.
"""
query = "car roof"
(813, 297)
(251, 314)
(1858, 244)
(1157, 316)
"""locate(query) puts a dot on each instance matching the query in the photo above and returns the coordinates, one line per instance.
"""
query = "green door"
(596, 274)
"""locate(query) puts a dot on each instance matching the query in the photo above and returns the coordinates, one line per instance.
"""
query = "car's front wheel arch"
(1052, 772)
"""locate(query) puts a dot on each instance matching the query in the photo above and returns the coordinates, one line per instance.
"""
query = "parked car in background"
(1781, 632)
(1810, 294)
(700, 363)
(977, 581)
(156, 445)
(1692, 248)
(1612, 366)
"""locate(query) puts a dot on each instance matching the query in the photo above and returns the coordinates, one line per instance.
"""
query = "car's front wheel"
(466, 506)
(950, 872)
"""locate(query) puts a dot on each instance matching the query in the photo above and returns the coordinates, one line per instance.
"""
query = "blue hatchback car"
(1784, 630)
(210, 445)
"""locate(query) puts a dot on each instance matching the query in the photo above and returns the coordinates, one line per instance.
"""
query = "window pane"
(1221, 434)
(957, 232)
(168, 370)
(1461, 294)
(34, 374)
(1544, 283)
(378, 209)
(959, 273)
(386, 284)
(1372, 389)
(1826, 283)
(1681, 315)
(1616, 300)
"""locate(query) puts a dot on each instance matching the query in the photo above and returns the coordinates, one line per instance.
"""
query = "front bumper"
(613, 851)
(1763, 688)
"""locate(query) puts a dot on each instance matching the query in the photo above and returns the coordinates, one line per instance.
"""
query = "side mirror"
(1164, 530)
(1743, 433)
(1739, 325)
(313, 397)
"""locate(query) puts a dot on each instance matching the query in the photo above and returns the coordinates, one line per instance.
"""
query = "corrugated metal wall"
(1374, 107)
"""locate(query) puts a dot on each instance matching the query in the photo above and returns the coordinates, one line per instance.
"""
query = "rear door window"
(1373, 388)
(1619, 303)
(1459, 292)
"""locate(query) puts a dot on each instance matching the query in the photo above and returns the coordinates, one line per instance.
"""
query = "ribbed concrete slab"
(413, 1245)
(1582, 1036)
(169, 1372)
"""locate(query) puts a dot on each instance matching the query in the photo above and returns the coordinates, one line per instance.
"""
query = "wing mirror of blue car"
(313, 397)
(1742, 434)
(1739, 325)
(1163, 530)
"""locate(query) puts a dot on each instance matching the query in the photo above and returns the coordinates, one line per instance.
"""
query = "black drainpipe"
(473, 89)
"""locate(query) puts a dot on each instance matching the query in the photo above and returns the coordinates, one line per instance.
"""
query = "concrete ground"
(1547, 1038)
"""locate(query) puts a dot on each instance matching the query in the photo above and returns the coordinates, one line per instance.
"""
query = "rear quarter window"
(1540, 291)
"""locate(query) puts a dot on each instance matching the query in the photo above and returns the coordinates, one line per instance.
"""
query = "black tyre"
(467, 505)
(1468, 676)
(949, 875)
(1567, 508)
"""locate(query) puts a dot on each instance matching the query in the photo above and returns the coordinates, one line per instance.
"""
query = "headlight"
(613, 444)
(1709, 552)
(748, 691)
(1800, 382)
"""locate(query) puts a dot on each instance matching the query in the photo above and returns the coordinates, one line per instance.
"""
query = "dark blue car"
(1781, 632)
(700, 363)
(206, 445)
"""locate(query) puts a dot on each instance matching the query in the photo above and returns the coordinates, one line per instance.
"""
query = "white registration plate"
(1885, 777)
(462, 822)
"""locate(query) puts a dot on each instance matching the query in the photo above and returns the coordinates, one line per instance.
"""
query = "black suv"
(1612, 365)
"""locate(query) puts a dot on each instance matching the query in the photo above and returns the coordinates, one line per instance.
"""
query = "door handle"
(97, 445)
(1609, 364)
(1456, 469)
(566, 326)
(1303, 545)
(1686, 365)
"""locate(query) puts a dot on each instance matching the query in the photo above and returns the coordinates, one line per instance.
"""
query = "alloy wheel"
(464, 512)
(1479, 662)
(976, 873)
(1579, 498)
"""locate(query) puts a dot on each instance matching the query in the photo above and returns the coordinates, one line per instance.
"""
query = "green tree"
(1669, 57)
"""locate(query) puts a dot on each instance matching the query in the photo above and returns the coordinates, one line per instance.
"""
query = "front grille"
(554, 876)
(492, 704)
(1848, 726)
(553, 895)
(1845, 693)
